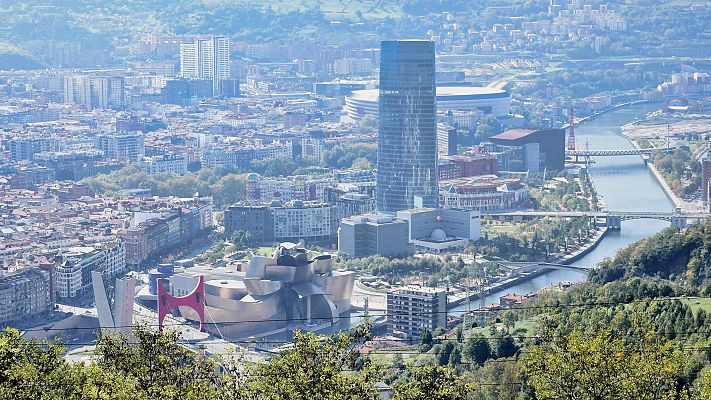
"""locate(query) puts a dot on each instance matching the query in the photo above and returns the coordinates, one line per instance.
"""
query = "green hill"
(12, 57)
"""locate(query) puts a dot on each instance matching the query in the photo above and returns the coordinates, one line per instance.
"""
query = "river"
(625, 183)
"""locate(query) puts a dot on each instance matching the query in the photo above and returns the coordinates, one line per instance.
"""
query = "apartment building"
(167, 163)
(26, 146)
(73, 273)
(24, 295)
(280, 222)
(206, 59)
(153, 233)
(411, 309)
(94, 91)
(126, 146)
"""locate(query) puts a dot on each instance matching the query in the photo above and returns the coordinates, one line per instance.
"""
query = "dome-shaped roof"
(252, 176)
(438, 235)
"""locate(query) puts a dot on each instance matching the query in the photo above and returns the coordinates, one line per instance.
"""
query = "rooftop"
(444, 93)
(513, 134)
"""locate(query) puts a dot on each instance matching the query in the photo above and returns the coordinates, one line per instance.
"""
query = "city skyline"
(371, 199)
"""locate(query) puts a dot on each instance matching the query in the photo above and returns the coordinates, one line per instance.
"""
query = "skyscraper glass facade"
(407, 143)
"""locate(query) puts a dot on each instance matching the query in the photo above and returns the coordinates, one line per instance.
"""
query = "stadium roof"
(444, 93)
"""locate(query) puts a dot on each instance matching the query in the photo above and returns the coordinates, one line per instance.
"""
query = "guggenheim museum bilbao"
(267, 294)
(487, 100)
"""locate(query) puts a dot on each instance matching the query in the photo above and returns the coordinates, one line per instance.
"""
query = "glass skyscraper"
(407, 142)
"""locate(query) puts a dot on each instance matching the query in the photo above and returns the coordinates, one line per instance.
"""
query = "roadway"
(598, 214)
(608, 153)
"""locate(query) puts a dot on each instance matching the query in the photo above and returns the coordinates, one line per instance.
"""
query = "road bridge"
(613, 219)
(610, 153)
(518, 268)
(586, 154)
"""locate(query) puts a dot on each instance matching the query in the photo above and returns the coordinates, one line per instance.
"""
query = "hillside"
(13, 58)
(683, 256)
(105, 24)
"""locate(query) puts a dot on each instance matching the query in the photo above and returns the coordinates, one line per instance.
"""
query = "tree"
(455, 357)
(241, 239)
(488, 126)
(229, 189)
(442, 356)
(704, 387)
(362, 163)
(32, 370)
(477, 349)
(504, 346)
(279, 166)
(433, 383)
(159, 365)
(603, 367)
(509, 320)
(314, 369)
(460, 334)
(425, 340)
(368, 123)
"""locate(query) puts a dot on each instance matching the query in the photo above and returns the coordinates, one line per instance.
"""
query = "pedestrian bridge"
(613, 219)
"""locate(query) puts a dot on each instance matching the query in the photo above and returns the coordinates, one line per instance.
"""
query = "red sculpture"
(194, 300)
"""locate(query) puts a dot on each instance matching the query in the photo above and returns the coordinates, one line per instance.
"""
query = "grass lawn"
(528, 324)
(498, 229)
(265, 251)
(386, 356)
(703, 303)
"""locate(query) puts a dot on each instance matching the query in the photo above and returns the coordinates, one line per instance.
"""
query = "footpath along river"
(625, 183)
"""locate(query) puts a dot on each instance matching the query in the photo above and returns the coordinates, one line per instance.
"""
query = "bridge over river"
(609, 153)
(613, 219)
(586, 154)
(518, 268)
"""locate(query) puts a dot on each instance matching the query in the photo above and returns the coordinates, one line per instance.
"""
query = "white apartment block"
(94, 91)
(411, 309)
(77, 90)
(353, 66)
(237, 157)
(169, 163)
(122, 146)
(313, 148)
(298, 187)
(73, 274)
(302, 221)
(206, 59)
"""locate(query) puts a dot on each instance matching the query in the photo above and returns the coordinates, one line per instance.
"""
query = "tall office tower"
(206, 59)
(407, 141)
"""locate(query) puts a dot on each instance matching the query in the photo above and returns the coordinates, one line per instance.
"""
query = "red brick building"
(453, 167)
